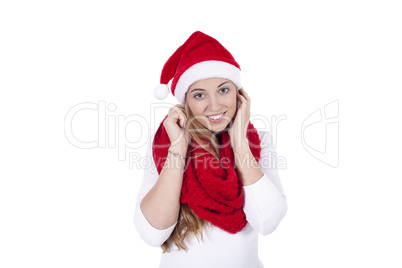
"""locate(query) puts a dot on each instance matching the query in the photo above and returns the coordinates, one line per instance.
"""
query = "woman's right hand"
(175, 125)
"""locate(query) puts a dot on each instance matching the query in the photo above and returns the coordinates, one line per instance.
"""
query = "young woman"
(213, 189)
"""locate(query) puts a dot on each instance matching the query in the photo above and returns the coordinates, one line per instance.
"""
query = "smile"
(216, 118)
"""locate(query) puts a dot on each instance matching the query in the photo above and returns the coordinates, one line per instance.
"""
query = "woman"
(211, 194)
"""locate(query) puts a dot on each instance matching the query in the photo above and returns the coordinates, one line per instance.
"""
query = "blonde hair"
(188, 222)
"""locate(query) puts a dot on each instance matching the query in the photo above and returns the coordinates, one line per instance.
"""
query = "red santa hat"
(200, 57)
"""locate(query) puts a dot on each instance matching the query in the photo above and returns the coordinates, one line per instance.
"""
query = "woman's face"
(210, 97)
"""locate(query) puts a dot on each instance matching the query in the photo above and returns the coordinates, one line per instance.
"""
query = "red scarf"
(211, 187)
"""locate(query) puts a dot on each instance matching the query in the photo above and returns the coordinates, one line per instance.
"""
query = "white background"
(65, 206)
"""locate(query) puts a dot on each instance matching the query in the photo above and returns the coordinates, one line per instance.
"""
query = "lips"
(215, 114)
(216, 119)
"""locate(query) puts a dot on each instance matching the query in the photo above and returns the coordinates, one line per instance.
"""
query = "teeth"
(216, 116)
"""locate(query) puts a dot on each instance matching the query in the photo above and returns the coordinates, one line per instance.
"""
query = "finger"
(243, 99)
(179, 106)
(174, 114)
(182, 117)
(245, 94)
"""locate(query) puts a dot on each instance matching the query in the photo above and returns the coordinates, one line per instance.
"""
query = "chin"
(219, 128)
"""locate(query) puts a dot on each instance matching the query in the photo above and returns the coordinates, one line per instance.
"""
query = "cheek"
(196, 108)
(233, 108)
(232, 104)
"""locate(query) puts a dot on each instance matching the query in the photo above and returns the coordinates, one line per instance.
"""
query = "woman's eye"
(224, 89)
(195, 96)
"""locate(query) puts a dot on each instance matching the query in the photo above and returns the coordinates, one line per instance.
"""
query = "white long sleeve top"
(264, 206)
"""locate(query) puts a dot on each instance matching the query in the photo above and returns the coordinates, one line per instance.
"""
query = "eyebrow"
(204, 89)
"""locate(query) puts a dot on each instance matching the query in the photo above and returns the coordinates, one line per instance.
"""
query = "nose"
(214, 104)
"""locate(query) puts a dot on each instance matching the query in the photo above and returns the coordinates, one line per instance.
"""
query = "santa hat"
(200, 57)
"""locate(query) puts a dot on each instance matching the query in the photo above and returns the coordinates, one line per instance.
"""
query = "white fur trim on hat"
(204, 70)
(161, 91)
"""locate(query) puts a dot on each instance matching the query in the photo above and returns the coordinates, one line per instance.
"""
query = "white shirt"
(264, 206)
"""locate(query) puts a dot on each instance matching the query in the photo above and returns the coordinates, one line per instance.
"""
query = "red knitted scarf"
(211, 187)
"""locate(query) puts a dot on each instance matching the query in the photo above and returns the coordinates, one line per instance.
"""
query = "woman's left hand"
(238, 130)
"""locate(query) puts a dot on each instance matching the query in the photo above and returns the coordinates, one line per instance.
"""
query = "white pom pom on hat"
(200, 57)
(161, 91)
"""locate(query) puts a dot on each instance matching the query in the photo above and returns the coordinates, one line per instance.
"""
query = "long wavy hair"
(188, 222)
